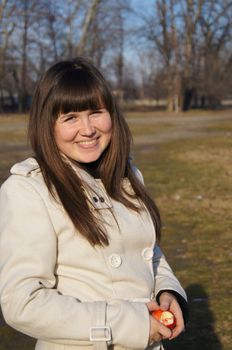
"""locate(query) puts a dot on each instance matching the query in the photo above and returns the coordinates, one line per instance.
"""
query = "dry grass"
(191, 181)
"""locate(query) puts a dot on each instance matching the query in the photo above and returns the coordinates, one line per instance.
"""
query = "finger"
(179, 328)
(164, 305)
(165, 332)
(176, 310)
(152, 305)
(165, 301)
(179, 321)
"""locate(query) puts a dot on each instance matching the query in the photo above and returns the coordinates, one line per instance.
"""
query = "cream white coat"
(56, 287)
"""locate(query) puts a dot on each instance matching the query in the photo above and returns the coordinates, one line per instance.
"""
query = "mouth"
(88, 143)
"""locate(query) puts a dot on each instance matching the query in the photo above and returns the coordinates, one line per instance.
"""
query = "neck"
(92, 168)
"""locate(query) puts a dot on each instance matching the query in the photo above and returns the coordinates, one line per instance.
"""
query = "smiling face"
(84, 135)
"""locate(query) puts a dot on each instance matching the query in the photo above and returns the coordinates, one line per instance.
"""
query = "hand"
(168, 302)
(157, 330)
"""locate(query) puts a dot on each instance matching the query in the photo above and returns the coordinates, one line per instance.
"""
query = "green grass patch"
(222, 127)
(140, 113)
(191, 181)
(13, 136)
(147, 129)
(13, 142)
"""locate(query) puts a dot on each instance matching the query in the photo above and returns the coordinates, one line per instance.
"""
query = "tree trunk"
(90, 15)
(23, 83)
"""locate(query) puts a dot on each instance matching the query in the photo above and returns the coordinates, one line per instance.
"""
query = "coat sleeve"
(29, 298)
(164, 276)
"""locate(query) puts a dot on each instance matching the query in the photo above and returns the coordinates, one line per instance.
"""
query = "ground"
(186, 163)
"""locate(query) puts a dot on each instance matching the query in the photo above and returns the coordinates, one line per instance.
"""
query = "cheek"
(63, 135)
(107, 125)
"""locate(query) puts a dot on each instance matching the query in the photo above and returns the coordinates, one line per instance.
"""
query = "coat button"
(115, 260)
(95, 199)
(147, 253)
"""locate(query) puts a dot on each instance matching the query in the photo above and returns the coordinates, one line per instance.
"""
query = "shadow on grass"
(10, 339)
(200, 333)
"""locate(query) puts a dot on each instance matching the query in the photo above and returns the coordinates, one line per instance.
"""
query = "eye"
(94, 113)
(70, 118)
(97, 112)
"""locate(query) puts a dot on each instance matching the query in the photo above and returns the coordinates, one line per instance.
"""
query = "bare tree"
(6, 29)
(191, 14)
(188, 43)
(69, 22)
(162, 32)
(216, 25)
(106, 40)
(39, 38)
(89, 18)
(192, 39)
(19, 59)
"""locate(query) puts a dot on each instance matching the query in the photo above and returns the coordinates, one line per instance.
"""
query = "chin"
(87, 160)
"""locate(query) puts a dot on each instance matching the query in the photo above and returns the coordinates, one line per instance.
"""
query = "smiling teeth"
(88, 142)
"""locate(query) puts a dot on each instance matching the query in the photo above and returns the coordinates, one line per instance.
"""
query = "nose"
(86, 129)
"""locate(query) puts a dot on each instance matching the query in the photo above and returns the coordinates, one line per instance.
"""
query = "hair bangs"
(78, 91)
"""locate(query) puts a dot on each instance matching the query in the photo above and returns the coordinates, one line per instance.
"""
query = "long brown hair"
(76, 85)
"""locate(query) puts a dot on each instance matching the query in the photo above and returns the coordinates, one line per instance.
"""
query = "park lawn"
(148, 129)
(10, 119)
(13, 143)
(143, 112)
(191, 182)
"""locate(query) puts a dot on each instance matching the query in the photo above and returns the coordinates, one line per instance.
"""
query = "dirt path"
(180, 127)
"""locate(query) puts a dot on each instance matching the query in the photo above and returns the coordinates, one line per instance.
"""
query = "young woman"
(80, 265)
